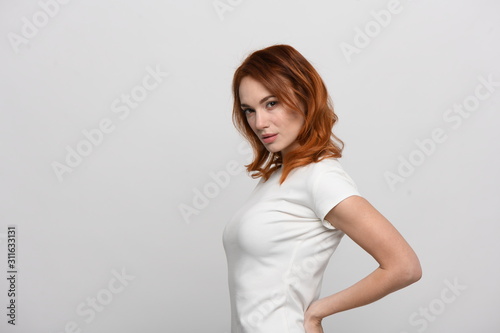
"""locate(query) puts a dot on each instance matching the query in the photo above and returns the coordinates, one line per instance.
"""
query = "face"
(275, 126)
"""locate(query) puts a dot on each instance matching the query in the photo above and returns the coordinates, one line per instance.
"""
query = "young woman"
(279, 243)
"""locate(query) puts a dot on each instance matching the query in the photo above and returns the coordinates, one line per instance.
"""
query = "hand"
(312, 323)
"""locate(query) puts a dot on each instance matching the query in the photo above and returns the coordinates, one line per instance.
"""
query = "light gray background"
(120, 209)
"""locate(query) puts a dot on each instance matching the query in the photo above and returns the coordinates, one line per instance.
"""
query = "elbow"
(410, 272)
(415, 273)
(405, 273)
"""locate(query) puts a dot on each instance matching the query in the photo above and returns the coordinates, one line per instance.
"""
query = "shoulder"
(325, 165)
(325, 170)
(330, 172)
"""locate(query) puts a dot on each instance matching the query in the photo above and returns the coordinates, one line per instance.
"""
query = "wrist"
(313, 312)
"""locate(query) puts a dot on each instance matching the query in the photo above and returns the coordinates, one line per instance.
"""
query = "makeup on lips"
(269, 138)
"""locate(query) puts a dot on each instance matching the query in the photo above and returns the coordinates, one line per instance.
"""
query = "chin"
(273, 150)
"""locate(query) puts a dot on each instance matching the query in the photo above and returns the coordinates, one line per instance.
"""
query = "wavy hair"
(295, 83)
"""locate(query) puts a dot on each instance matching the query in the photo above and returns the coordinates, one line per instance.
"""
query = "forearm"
(378, 284)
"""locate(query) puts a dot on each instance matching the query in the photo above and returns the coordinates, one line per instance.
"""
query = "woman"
(279, 243)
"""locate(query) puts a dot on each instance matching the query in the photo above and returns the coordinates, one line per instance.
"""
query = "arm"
(398, 264)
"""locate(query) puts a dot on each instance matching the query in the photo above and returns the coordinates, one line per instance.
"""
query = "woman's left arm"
(398, 263)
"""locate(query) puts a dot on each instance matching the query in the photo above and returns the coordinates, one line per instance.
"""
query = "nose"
(261, 119)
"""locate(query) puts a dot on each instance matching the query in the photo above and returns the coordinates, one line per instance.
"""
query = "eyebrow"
(260, 102)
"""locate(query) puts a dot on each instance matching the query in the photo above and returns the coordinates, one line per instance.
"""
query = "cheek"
(296, 121)
(251, 124)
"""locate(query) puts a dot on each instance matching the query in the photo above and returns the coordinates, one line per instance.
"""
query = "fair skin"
(267, 116)
(355, 216)
(398, 263)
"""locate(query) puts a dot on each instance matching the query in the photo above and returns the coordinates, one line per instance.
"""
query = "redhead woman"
(279, 242)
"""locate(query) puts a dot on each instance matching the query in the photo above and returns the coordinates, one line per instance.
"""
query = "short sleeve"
(330, 187)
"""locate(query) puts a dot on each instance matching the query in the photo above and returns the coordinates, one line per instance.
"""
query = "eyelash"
(245, 110)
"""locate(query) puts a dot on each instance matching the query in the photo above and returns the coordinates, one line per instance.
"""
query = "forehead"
(251, 90)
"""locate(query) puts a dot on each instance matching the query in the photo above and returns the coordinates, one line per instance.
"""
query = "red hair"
(295, 82)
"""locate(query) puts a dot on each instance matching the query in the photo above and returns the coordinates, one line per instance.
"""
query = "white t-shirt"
(278, 245)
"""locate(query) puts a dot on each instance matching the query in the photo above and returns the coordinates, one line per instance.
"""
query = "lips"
(269, 138)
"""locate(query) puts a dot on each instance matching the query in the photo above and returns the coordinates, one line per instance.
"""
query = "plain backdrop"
(120, 165)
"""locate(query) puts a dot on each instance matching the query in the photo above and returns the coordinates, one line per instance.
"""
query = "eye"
(271, 104)
(247, 111)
